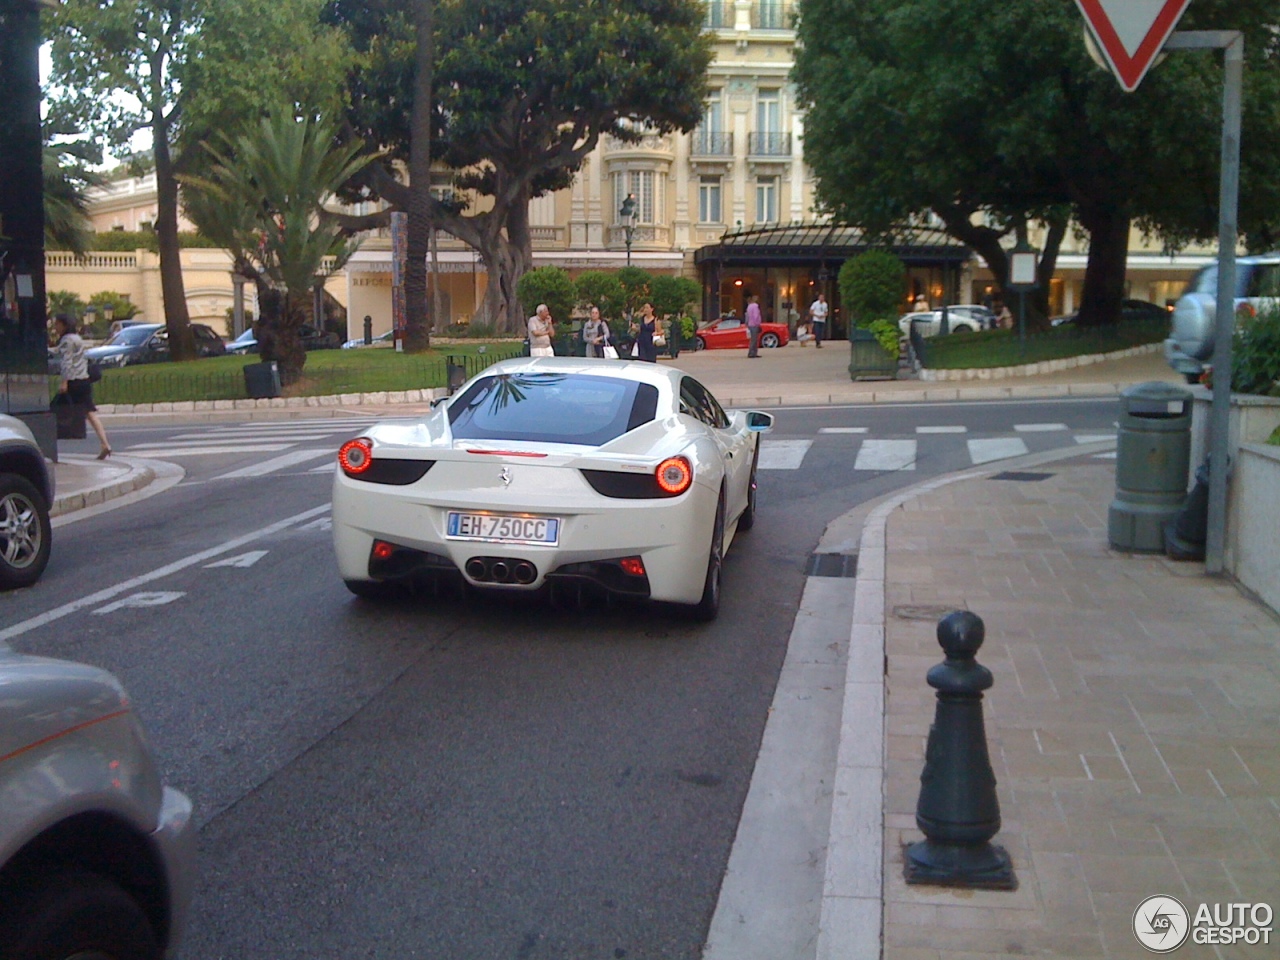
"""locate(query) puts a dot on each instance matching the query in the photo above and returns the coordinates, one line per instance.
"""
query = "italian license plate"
(498, 528)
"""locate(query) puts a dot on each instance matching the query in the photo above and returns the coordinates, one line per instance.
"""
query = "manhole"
(1021, 477)
(832, 565)
(922, 612)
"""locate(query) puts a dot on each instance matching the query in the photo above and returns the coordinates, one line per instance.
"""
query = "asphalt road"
(450, 778)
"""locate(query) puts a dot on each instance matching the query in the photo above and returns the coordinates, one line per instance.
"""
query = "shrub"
(674, 295)
(549, 285)
(871, 286)
(887, 333)
(1255, 354)
(604, 290)
(636, 284)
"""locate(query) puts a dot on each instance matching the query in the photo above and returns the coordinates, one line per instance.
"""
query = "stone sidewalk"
(1133, 726)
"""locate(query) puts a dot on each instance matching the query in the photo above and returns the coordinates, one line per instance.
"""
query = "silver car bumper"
(1179, 360)
(175, 839)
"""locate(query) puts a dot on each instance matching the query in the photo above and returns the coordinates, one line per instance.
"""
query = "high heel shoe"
(104, 453)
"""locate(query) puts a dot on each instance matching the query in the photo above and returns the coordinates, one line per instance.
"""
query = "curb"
(1038, 368)
(139, 476)
(278, 403)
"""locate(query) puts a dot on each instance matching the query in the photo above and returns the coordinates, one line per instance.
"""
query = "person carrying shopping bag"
(75, 384)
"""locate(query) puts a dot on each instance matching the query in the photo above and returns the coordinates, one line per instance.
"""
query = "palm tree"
(67, 180)
(263, 199)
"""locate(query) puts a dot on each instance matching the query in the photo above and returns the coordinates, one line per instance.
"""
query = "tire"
(769, 341)
(1192, 377)
(963, 328)
(699, 344)
(75, 914)
(748, 518)
(375, 591)
(708, 607)
(25, 533)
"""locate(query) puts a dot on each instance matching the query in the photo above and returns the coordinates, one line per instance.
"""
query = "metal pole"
(1232, 43)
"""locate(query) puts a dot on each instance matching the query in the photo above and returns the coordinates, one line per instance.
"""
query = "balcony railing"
(769, 144)
(711, 143)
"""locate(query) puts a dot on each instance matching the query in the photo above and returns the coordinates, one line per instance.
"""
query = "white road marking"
(276, 463)
(950, 429)
(167, 452)
(1094, 437)
(842, 429)
(1105, 456)
(240, 436)
(886, 455)
(157, 599)
(996, 448)
(93, 599)
(327, 468)
(319, 523)
(1038, 427)
(331, 425)
(782, 454)
(243, 561)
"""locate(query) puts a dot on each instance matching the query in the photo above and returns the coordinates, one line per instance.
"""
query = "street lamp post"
(627, 212)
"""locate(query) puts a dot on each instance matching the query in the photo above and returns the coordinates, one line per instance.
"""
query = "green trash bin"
(1153, 459)
(868, 359)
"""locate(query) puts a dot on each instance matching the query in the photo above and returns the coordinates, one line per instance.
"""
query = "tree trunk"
(1104, 274)
(417, 324)
(176, 317)
(1048, 264)
(501, 307)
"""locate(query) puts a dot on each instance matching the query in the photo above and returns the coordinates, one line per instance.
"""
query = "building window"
(719, 14)
(769, 15)
(767, 200)
(709, 200)
(769, 112)
(641, 184)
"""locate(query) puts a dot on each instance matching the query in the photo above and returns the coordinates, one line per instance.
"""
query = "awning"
(798, 243)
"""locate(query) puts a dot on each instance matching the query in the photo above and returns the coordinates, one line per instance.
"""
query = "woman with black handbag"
(75, 383)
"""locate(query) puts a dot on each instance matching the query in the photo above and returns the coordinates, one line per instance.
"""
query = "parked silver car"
(26, 492)
(961, 318)
(1190, 344)
(96, 854)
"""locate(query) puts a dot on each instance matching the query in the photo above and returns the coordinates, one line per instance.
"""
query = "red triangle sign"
(1131, 33)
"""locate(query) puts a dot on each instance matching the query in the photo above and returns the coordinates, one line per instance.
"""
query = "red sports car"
(732, 332)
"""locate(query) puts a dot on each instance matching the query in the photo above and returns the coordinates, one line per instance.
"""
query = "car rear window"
(552, 408)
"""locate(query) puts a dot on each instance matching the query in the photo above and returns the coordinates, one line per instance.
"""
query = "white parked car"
(97, 855)
(622, 476)
(961, 318)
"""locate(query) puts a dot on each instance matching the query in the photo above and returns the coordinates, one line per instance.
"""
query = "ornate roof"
(832, 241)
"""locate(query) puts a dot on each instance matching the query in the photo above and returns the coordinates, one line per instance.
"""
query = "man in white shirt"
(541, 330)
(818, 315)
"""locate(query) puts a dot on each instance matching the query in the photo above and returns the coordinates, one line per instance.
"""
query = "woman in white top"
(596, 333)
(75, 383)
(541, 330)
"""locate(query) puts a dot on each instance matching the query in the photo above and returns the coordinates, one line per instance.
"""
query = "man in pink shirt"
(753, 327)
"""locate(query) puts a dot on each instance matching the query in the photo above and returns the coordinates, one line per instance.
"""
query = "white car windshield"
(552, 408)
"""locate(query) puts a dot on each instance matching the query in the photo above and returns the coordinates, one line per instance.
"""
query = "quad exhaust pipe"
(501, 570)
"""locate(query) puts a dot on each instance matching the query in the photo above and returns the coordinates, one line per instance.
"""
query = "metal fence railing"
(166, 382)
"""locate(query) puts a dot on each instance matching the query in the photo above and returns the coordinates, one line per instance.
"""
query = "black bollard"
(958, 811)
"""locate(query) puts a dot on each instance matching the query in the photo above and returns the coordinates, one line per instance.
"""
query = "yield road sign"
(1130, 33)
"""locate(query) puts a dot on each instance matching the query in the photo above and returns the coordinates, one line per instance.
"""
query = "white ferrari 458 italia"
(621, 475)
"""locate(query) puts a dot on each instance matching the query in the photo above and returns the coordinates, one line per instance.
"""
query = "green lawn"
(1002, 348)
(370, 370)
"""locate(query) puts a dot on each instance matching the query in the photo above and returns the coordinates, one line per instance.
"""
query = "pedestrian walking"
(1004, 319)
(647, 329)
(818, 315)
(541, 329)
(754, 320)
(75, 384)
(596, 333)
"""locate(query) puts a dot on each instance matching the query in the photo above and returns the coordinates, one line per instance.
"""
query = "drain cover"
(1019, 477)
(832, 565)
(922, 612)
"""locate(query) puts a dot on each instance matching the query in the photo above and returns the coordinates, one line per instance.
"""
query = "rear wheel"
(699, 344)
(963, 328)
(708, 607)
(25, 533)
(769, 341)
(75, 915)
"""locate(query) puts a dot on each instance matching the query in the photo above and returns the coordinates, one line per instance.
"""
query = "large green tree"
(179, 70)
(987, 115)
(524, 90)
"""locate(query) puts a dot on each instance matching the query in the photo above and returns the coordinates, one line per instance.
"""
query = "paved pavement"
(1132, 726)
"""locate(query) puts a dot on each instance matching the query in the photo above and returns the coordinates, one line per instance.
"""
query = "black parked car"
(312, 339)
(149, 343)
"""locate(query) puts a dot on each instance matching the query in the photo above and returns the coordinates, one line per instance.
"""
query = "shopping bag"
(610, 352)
(70, 418)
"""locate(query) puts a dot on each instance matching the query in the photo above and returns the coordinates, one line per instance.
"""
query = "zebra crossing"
(898, 453)
(292, 444)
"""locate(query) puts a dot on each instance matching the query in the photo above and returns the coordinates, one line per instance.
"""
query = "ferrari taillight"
(674, 475)
(355, 456)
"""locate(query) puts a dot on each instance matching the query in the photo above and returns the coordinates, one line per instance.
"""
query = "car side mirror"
(758, 422)
(439, 401)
